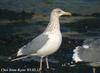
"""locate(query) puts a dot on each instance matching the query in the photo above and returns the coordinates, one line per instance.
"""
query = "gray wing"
(34, 45)
(93, 43)
(90, 53)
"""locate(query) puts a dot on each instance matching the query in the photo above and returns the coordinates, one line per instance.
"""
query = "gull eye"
(59, 11)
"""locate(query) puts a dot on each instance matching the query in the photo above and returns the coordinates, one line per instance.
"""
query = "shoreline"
(36, 18)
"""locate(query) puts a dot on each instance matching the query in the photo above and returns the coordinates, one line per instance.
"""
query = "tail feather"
(23, 57)
(76, 57)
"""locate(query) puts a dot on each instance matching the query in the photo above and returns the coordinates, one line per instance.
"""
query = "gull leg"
(41, 64)
(47, 63)
(94, 70)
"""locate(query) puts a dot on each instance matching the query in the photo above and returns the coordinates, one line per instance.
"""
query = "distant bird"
(89, 52)
(46, 43)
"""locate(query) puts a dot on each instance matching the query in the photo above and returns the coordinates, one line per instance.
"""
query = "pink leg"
(40, 64)
(94, 70)
(47, 63)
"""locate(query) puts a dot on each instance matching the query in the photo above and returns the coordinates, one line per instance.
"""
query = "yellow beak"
(67, 14)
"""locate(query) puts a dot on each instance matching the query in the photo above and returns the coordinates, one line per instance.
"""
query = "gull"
(89, 52)
(47, 42)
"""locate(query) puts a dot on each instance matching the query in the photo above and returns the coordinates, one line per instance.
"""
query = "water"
(12, 37)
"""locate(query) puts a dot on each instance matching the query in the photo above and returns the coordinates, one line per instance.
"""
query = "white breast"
(52, 45)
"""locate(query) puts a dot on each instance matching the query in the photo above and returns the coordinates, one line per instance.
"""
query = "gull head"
(59, 12)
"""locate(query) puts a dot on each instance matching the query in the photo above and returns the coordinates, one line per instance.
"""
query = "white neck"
(53, 25)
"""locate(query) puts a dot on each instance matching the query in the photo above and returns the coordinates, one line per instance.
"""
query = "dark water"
(12, 37)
